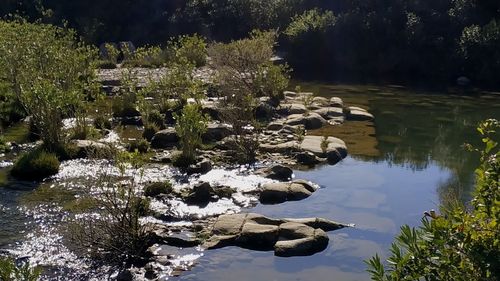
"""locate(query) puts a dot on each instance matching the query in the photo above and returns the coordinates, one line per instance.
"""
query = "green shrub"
(149, 132)
(156, 118)
(124, 106)
(142, 146)
(191, 125)
(461, 244)
(147, 56)
(48, 70)
(4, 147)
(157, 188)
(36, 165)
(10, 271)
(105, 64)
(192, 48)
(101, 122)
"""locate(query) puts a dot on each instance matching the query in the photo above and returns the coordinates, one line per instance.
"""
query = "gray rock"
(310, 121)
(294, 108)
(275, 126)
(216, 132)
(253, 231)
(321, 101)
(335, 151)
(275, 193)
(336, 102)
(258, 235)
(302, 247)
(167, 138)
(201, 167)
(307, 158)
(358, 114)
(330, 112)
(201, 194)
(279, 172)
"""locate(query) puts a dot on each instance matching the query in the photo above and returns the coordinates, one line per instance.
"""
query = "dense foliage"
(461, 244)
(10, 270)
(419, 42)
(47, 71)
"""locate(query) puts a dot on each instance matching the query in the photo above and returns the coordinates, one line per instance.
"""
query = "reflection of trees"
(423, 133)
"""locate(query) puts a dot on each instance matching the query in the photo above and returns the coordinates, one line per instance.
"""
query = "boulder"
(258, 236)
(216, 132)
(358, 114)
(279, 172)
(87, 148)
(201, 194)
(302, 247)
(167, 138)
(283, 148)
(310, 121)
(253, 231)
(201, 167)
(320, 101)
(275, 126)
(275, 193)
(294, 108)
(330, 112)
(335, 151)
(336, 102)
(307, 158)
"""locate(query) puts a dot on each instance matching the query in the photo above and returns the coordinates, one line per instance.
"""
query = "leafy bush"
(36, 165)
(147, 56)
(239, 64)
(48, 71)
(142, 146)
(10, 271)
(101, 122)
(461, 244)
(156, 118)
(191, 125)
(157, 188)
(191, 48)
(271, 80)
(149, 131)
(4, 147)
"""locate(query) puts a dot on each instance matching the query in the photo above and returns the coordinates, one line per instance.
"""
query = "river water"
(406, 162)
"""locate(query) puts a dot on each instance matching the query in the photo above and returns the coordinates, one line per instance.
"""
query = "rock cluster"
(286, 237)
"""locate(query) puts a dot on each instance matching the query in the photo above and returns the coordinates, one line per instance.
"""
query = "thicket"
(462, 243)
(48, 72)
(419, 42)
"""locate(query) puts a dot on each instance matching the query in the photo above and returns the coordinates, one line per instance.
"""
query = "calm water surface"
(406, 162)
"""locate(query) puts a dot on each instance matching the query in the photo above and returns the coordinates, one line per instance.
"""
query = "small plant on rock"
(325, 142)
(193, 48)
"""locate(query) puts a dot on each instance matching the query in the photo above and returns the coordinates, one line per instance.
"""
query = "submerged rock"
(286, 237)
